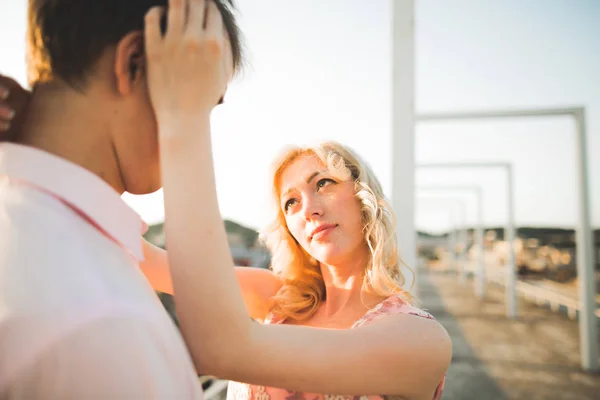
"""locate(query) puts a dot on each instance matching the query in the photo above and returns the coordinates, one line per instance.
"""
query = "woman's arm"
(398, 355)
(155, 267)
(258, 285)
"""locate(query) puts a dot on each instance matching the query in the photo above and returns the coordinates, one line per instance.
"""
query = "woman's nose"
(312, 207)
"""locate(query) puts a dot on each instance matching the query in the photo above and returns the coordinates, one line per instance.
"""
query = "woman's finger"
(214, 23)
(152, 31)
(176, 19)
(6, 113)
(4, 93)
(195, 26)
(8, 86)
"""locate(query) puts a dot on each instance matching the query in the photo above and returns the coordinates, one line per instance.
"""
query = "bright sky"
(321, 69)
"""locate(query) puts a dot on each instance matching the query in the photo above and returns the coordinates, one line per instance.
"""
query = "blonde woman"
(335, 263)
(335, 320)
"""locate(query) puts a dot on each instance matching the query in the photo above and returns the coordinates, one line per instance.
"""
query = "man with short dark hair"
(78, 320)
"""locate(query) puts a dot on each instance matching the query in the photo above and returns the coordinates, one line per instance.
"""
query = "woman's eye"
(289, 203)
(324, 182)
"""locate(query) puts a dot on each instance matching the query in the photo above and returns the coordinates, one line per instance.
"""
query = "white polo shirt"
(78, 320)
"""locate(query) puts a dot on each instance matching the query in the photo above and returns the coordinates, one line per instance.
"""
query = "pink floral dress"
(391, 305)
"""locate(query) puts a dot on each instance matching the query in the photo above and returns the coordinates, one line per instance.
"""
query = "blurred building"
(548, 253)
(243, 244)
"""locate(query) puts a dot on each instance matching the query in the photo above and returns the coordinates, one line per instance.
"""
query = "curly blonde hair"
(303, 289)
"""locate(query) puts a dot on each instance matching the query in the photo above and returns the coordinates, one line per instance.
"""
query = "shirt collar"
(77, 187)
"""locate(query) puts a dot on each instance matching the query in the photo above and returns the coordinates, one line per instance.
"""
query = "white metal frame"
(461, 221)
(403, 126)
(403, 168)
(588, 329)
(509, 230)
(451, 240)
(480, 281)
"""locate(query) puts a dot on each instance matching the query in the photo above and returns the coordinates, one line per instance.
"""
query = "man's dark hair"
(65, 38)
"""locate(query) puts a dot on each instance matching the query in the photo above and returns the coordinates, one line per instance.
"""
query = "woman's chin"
(330, 254)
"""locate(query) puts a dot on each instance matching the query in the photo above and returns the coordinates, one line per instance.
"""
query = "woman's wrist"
(183, 125)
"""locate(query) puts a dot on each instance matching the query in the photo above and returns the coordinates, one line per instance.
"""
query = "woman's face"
(322, 211)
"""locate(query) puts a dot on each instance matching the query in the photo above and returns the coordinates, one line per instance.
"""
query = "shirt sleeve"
(112, 358)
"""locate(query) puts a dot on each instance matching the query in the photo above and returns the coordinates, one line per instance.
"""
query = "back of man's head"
(96, 47)
(66, 38)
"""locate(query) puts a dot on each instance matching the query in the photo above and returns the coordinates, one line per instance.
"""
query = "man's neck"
(73, 126)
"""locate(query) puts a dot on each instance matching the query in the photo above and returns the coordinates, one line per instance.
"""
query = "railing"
(543, 295)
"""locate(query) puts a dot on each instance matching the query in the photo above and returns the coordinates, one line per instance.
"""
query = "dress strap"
(392, 305)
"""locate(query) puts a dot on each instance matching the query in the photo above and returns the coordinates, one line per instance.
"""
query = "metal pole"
(494, 114)
(509, 237)
(480, 280)
(403, 144)
(588, 329)
(462, 255)
(452, 243)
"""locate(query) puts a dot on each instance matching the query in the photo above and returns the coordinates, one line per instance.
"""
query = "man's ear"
(130, 63)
